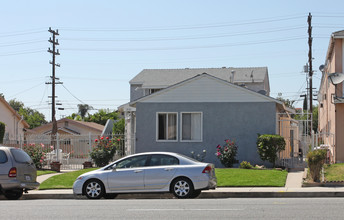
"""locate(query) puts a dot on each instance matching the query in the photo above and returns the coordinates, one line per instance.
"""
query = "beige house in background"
(331, 100)
(67, 126)
(15, 125)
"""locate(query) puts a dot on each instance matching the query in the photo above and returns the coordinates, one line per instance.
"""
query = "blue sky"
(104, 44)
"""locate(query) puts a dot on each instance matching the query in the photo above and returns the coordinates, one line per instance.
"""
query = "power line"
(12, 34)
(73, 95)
(26, 90)
(185, 27)
(187, 47)
(21, 43)
(23, 52)
(185, 37)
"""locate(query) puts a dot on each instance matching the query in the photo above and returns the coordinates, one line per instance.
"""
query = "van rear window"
(20, 156)
(3, 157)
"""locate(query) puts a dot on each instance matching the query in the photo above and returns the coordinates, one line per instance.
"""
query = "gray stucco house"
(201, 111)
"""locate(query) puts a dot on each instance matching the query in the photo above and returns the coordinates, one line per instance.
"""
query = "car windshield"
(20, 156)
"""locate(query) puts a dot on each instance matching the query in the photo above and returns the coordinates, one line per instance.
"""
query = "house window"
(151, 91)
(191, 129)
(167, 126)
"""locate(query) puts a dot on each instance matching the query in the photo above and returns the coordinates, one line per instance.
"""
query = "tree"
(33, 117)
(83, 110)
(16, 105)
(287, 102)
(305, 103)
(118, 127)
(303, 117)
(102, 116)
(269, 146)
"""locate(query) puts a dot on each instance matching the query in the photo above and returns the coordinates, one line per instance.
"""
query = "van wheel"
(13, 194)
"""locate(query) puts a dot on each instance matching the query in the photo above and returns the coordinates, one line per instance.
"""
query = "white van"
(17, 172)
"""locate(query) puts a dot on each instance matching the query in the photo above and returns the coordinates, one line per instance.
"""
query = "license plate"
(27, 178)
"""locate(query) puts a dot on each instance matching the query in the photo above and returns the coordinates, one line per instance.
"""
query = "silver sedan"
(148, 172)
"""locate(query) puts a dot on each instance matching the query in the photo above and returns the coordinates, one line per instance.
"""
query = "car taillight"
(207, 169)
(12, 172)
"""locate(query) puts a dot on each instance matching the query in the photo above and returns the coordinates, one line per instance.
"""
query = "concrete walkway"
(294, 179)
(42, 178)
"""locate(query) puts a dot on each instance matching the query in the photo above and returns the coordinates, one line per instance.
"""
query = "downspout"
(17, 132)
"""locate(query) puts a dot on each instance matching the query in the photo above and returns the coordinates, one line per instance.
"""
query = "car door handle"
(138, 171)
(168, 169)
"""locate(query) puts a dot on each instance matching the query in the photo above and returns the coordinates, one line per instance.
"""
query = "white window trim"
(181, 127)
(157, 127)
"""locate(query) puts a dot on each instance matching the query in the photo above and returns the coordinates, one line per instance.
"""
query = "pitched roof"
(92, 125)
(161, 78)
(199, 76)
(26, 125)
(338, 34)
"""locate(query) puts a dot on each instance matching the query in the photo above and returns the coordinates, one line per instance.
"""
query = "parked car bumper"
(77, 187)
(16, 184)
(205, 182)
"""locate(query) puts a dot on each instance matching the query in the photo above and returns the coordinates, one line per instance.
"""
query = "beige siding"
(13, 129)
(339, 138)
(331, 116)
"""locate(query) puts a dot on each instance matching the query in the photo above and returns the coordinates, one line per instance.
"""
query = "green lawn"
(63, 181)
(250, 177)
(43, 172)
(225, 177)
(334, 172)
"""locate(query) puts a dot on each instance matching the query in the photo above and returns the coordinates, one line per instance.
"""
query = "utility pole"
(310, 72)
(54, 53)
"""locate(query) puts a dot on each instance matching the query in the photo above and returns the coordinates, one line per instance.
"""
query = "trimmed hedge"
(316, 160)
(269, 145)
(2, 131)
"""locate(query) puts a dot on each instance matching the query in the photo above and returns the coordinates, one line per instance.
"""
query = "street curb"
(204, 195)
(270, 194)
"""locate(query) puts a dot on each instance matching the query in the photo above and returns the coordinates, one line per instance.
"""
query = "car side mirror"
(114, 168)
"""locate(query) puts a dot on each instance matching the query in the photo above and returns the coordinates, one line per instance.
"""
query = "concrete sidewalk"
(292, 189)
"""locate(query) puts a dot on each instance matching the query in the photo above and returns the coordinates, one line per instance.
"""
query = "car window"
(3, 157)
(20, 156)
(163, 160)
(132, 162)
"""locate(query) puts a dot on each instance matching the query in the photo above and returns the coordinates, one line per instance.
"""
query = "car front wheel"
(110, 195)
(94, 189)
(13, 194)
(182, 188)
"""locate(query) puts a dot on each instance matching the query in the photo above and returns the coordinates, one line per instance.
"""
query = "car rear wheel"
(94, 189)
(13, 194)
(182, 188)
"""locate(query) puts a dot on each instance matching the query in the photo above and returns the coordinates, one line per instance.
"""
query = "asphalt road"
(233, 208)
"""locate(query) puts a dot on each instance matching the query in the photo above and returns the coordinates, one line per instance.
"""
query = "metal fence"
(70, 150)
(298, 138)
